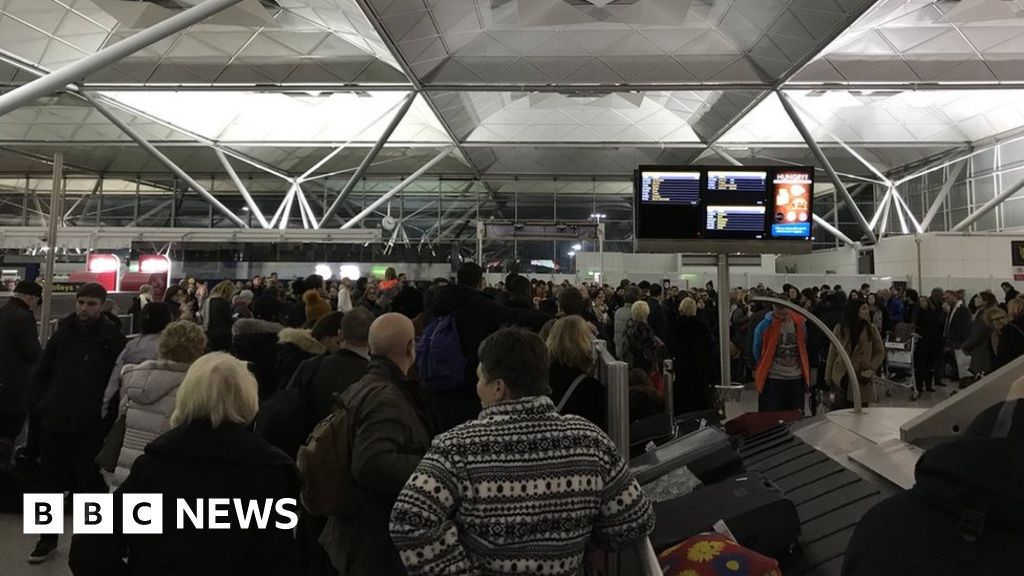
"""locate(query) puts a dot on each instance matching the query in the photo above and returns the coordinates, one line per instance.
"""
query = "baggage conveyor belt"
(830, 498)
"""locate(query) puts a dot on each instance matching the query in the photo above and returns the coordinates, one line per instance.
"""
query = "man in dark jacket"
(657, 318)
(477, 316)
(965, 514)
(319, 379)
(393, 427)
(69, 385)
(956, 332)
(19, 353)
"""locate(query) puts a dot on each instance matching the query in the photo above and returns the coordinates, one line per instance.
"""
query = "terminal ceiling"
(522, 88)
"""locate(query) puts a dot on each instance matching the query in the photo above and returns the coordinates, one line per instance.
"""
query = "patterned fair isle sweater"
(520, 490)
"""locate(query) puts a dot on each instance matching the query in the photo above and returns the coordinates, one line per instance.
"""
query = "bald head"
(392, 336)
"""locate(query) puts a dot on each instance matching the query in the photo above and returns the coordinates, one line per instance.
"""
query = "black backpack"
(287, 418)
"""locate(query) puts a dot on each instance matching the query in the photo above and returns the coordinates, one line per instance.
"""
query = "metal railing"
(614, 374)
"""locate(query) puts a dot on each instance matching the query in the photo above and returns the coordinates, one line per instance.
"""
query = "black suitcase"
(692, 421)
(707, 453)
(756, 511)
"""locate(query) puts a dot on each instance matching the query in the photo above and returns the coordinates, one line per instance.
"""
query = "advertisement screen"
(791, 217)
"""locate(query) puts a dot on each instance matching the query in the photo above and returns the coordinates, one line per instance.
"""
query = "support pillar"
(56, 189)
(723, 319)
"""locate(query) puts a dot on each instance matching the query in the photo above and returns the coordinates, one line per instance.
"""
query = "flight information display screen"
(671, 187)
(746, 220)
(752, 181)
(728, 203)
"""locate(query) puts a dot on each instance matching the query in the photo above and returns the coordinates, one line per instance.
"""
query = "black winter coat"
(288, 417)
(692, 354)
(925, 531)
(255, 342)
(218, 327)
(19, 353)
(73, 373)
(930, 324)
(1011, 344)
(589, 400)
(294, 346)
(477, 316)
(198, 461)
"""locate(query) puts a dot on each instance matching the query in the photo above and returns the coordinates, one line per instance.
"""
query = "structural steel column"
(820, 156)
(58, 79)
(370, 157)
(253, 208)
(56, 189)
(724, 353)
(401, 186)
(165, 161)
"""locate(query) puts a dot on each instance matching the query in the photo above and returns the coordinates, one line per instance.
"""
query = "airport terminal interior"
(752, 264)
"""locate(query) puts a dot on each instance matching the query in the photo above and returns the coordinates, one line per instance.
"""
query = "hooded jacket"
(294, 345)
(74, 373)
(477, 316)
(149, 393)
(255, 342)
(766, 339)
(965, 515)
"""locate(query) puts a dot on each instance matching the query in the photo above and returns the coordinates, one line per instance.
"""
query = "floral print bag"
(712, 554)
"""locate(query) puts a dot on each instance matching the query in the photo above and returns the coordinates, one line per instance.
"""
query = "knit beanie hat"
(316, 306)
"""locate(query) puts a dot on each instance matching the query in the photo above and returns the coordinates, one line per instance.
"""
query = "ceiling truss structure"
(330, 93)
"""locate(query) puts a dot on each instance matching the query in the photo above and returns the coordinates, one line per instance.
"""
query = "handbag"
(111, 450)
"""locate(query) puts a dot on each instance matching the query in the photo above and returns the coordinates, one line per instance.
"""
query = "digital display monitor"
(791, 215)
(752, 181)
(725, 204)
(745, 220)
(670, 187)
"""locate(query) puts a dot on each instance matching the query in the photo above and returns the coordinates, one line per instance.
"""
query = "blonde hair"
(640, 311)
(569, 341)
(688, 307)
(218, 388)
(182, 341)
(225, 290)
(992, 313)
(1016, 307)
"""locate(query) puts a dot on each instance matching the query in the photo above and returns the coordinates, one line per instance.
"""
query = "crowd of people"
(445, 389)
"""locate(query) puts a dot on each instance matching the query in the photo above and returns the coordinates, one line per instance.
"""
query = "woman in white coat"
(150, 389)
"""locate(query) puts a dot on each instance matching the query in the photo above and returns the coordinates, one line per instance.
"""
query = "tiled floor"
(15, 546)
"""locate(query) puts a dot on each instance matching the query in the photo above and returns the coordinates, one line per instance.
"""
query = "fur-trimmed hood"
(255, 326)
(302, 339)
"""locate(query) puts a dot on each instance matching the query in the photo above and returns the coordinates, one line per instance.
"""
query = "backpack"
(325, 465)
(439, 360)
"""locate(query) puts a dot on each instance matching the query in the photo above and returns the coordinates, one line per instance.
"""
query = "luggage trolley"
(898, 369)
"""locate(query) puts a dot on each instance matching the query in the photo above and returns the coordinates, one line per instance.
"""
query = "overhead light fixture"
(572, 254)
(577, 247)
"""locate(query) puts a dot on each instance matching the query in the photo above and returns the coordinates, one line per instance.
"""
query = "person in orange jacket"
(780, 353)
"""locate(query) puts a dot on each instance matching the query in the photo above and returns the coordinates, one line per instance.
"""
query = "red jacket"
(767, 333)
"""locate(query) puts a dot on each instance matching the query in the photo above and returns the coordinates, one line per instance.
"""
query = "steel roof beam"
(820, 155)
(78, 70)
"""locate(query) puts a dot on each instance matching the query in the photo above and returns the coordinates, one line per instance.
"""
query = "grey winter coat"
(137, 351)
(150, 390)
(622, 316)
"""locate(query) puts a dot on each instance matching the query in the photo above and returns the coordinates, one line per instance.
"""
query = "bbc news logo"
(144, 514)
